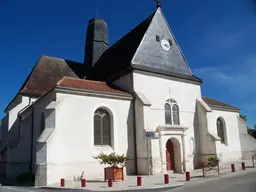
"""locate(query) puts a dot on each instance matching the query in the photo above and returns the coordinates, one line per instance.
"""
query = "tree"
(252, 131)
(243, 117)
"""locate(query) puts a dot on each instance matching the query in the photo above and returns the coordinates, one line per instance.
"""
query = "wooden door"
(169, 156)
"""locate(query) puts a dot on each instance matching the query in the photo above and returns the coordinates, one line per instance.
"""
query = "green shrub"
(213, 161)
(25, 177)
(112, 160)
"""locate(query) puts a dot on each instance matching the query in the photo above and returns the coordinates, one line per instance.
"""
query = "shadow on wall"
(19, 156)
(197, 158)
(130, 165)
(40, 165)
(14, 131)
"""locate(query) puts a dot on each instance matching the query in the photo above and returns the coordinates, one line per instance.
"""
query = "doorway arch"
(173, 155)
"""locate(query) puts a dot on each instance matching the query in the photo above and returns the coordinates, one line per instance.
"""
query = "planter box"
(114, 174)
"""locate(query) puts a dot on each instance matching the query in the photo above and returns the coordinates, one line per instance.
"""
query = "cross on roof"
(158, 3)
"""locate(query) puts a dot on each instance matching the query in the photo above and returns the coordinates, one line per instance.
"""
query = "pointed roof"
(117, 58)
(141, 49)
(47, 72)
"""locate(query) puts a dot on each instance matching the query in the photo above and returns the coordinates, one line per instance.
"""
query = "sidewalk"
(154, 181)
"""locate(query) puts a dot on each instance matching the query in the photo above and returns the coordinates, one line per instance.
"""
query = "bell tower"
(96, 41)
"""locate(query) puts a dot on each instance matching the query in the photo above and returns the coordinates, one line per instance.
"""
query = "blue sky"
(217, 38)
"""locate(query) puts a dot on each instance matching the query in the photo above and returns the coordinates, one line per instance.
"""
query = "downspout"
(32, 141)
(32, 129)
(135, 129)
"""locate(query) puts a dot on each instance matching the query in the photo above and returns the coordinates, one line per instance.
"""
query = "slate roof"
(118, 59)
(218, 104)
(47, 72)
(95, 86)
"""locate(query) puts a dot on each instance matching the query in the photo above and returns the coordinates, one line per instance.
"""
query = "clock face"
(165, 45)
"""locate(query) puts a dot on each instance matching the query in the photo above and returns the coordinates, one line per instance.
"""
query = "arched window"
(172, 112)
(221, 130)
(168, 114)
(102, 127)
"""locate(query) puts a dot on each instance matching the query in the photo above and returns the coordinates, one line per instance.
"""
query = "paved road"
(30, 189)
(239, 183)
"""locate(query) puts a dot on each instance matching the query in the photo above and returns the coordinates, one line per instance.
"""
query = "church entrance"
(173, 155)
(169, 155)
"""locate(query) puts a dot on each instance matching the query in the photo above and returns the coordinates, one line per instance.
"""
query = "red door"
(169, 156)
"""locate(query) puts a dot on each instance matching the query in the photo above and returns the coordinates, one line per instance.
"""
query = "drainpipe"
(184, 151)
(32, 130)
(32, 139)
(135, 129)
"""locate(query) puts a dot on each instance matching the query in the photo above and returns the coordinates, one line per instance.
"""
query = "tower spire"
(158, 3)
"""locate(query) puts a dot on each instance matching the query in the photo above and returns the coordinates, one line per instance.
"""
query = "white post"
(184, 152)
(148, 157)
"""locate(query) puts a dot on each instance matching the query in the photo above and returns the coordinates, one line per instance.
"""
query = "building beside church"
(67, 112)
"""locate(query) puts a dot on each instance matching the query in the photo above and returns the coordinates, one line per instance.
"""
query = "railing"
(253, 160)
(210, 166)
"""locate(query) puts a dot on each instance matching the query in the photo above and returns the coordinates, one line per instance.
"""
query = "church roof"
(47, 72)
(141, 49)
(218, 104)
(95, 86)
(117, 58)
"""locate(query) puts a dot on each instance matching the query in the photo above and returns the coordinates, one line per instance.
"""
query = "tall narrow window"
(102, 127)
(172, 112)
(175, 114)
(221, 130)
(168, 114)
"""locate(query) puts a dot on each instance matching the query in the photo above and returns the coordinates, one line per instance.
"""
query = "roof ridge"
(102, 70)
(51, 57)
(136, 26)
(60, 81)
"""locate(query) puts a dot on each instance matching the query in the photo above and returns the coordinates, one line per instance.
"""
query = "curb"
(223, 175)
(226, 175)
(124, 190)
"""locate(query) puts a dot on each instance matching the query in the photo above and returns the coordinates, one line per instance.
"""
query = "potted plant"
(213, 161)
(115, 164)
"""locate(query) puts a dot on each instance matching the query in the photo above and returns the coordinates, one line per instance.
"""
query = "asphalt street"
(238, 183)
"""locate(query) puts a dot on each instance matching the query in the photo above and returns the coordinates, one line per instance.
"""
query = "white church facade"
(66, 112)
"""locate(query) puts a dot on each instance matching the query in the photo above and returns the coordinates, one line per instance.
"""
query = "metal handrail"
(253, 160)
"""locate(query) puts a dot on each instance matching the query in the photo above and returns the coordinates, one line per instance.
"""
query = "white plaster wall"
(15, 157)
(231, 151)
(19, 155)
(70, 148)
(158, 90)
(205, 143)
(142, 150)
(247, 142)
(22, 101)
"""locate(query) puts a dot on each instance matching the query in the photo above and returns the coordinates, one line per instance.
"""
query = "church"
(66, 112)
